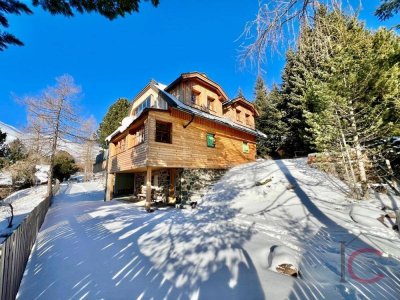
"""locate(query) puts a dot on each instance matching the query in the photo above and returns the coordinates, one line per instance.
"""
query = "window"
(248, 122)
(163, 132)
(238, 116)
(194, 97)
(210, 140)
(245, 147)
(210, 103)
(142, 106)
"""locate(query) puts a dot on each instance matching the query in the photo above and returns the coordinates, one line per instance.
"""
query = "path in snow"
(90, 249)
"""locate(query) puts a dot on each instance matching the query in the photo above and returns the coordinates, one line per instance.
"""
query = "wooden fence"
(15, 250)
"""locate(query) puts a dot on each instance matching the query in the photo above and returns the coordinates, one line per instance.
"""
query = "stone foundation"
(192, 184)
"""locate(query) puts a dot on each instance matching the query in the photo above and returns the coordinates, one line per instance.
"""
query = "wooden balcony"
(129, 159)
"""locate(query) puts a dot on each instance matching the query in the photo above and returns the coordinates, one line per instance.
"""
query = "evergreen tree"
(112, 120)
(260, 95)
(64, 165)
(3, 149)
(388, 9)
(16, 151)
(240, 93)
(356, 98)
(270, 120)
(293, 90)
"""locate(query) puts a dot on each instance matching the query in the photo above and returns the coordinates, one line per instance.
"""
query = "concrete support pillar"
(148, 188)
(110, 186)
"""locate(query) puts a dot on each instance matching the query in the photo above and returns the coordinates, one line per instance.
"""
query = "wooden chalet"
(189, 124)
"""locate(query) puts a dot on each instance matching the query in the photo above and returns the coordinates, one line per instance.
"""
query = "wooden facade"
(166, 136)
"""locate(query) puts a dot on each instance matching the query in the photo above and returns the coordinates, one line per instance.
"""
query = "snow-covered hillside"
(227, 248)
(12, 132)
(23, 202)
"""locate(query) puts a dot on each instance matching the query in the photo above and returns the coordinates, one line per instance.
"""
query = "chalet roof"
(174, 102)
(200, 76)
(180, 105)
(243, 101)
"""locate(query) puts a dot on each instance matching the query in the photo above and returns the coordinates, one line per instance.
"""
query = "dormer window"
(195, 97)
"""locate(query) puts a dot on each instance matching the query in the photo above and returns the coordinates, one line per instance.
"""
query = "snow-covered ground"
(90, 249)
(23, 202)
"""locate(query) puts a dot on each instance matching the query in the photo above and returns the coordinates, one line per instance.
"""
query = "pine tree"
(240, 93)
(356, 100)
(3, 149)
(16, 151)
(270, 120)
(112, 120)
(294, 85)
(64, 165)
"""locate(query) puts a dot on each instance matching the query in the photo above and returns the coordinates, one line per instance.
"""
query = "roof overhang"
(242, 101)
(202, 78)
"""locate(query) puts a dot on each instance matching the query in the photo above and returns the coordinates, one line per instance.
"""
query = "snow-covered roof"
(126, 122)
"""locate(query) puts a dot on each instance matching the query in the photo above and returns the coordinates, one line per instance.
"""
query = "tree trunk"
(54, 149)
(346, 154)
(359, 156)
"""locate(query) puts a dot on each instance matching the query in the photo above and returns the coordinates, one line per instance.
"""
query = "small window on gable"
(248, 122)
(238, 116)
(245, 146)
(210, 140)
(211, 103)
(195, 97)
(163, 132)
(142, 106)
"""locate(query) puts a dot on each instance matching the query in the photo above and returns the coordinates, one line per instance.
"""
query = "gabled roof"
(174, 102)
(244, 102)
(201, 77)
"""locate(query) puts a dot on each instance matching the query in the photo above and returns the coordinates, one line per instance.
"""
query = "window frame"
(248, 120)
(245, 147)
(238, 115)
(214, 141)
(211, 103)
(194, 97)
(170, 132)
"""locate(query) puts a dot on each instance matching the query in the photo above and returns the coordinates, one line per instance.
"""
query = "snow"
(42, 173)
(12, 132)
(125, 123)
(23, 202)
(5, 179)
(91, 249)
(282, 255)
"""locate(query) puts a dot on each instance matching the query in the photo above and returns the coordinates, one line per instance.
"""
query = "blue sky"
(112, 59)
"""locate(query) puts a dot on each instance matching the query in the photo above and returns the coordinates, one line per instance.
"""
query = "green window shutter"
(245, 147)
(210, 140)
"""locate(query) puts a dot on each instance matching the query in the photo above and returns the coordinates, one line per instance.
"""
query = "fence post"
(1, 269)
